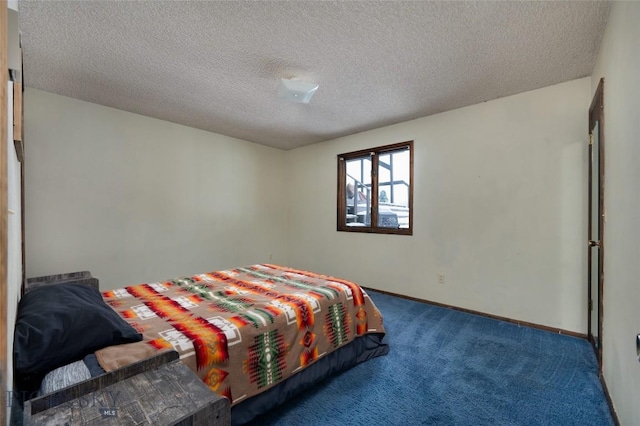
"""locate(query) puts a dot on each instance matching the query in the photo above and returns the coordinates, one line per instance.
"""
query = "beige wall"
(499, 203)
(500, 209)
(135, 199)
(619, 63)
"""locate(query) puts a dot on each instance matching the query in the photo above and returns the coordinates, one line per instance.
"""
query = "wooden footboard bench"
(157, 391)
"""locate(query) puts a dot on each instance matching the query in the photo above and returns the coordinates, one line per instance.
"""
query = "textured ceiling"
(216, 65)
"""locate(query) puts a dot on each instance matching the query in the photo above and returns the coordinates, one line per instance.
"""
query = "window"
(375, 190)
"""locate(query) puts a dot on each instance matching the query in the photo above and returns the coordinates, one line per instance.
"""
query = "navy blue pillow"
(63, 323)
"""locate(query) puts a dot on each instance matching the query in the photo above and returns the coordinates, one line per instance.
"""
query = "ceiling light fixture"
(296, 90)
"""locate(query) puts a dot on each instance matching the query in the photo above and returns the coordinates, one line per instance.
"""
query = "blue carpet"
(447, 367)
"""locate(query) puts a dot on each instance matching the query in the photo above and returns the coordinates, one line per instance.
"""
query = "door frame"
(596, 114)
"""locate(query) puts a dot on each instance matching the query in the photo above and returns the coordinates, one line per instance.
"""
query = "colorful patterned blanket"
(242, 330)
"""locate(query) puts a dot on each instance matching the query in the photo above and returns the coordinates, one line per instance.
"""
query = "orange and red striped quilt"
(242, 330)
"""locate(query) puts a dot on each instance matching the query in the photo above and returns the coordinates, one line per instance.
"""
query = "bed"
(256, 335)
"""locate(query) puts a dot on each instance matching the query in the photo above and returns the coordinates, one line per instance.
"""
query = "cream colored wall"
(500, 209)
(135, 199)
(499, 203)
(619, 63)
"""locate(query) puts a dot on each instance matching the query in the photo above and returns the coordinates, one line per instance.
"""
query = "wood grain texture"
(17, 113)
(596, 115)
(81, 278)
(77, 391)
(170, 394)
(3, 209)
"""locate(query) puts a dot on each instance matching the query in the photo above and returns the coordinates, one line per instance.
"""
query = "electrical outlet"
(270, 256)
(440, 278)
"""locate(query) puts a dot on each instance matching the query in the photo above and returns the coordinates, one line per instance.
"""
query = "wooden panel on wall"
(17, 113)
(3, 210)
